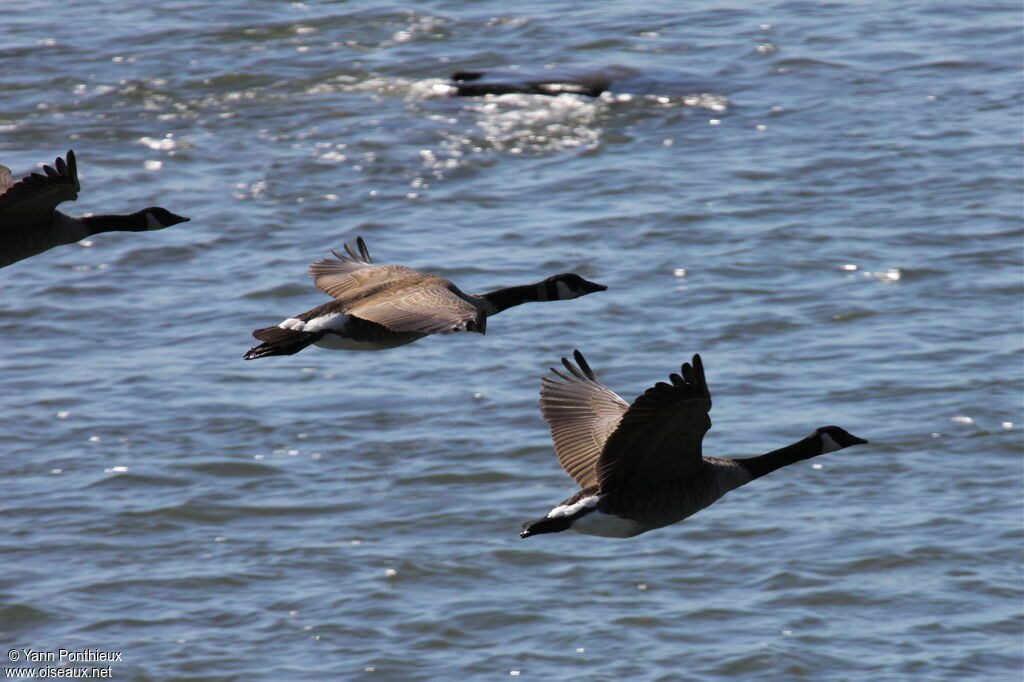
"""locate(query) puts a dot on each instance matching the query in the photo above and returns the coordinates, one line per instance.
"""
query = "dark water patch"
(14, 617)
(133, 482)
(286, 130)
(233, 469)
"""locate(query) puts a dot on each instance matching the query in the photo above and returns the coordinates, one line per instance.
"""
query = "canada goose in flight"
(640, 466)
(384, 306)
(30, 222)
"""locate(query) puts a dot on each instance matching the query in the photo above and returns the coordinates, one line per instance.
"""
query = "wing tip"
(360, 254)
(68, 167)
(582, 362)
(363, 251)
(581, 370)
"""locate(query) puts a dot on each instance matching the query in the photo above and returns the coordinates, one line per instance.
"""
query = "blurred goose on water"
(586, 81)
(640, 466)
(30, 222)
(384, 306)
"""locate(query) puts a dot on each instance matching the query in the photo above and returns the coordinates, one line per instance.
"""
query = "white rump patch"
(331, 322)
(570, 509)
(596, 522)
(337, 336)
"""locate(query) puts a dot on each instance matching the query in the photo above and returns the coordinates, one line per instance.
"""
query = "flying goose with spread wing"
(640, 466)
(384, 306)
(30, 222)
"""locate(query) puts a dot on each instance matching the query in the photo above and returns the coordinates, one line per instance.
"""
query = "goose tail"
(278, 341)
(546, 525)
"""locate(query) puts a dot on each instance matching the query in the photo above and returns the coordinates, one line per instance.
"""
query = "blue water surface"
(833, 223)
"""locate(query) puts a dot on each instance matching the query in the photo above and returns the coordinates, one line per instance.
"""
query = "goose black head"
(834, 438)
(158, 218)
(570, 285)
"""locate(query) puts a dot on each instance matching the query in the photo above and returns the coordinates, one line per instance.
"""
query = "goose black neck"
(133, 222)
(776, 459)
(505, 298)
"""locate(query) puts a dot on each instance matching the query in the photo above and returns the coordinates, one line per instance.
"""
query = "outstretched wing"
(659, 438)
(582, 413)
(354, 274)
(40, 193)
(427, 304)
(395, 296)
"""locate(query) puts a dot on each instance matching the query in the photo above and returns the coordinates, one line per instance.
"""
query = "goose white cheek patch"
(828, 444)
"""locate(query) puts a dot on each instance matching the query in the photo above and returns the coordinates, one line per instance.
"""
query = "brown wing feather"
(353, 274)
(40, 193)
(395, 296)
(428, 306)
(582, 412)
(659, 438)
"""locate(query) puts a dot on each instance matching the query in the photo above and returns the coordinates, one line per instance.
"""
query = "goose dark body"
(640, 466)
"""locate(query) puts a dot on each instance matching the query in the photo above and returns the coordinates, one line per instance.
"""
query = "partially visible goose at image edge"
(30, 222)
(384, 306)
(640, 466)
